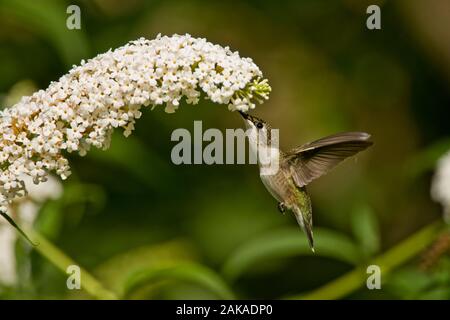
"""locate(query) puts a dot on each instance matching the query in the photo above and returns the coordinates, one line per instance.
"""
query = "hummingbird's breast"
(280, 186)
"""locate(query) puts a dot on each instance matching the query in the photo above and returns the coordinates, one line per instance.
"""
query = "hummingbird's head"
(259, 129)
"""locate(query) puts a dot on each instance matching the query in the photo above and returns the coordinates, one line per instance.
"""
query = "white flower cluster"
(440, 188)
(85, 105)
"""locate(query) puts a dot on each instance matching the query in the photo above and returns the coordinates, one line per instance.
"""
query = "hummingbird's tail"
(305, 221)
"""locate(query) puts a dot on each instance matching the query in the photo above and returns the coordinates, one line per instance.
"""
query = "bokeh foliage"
(149, 229)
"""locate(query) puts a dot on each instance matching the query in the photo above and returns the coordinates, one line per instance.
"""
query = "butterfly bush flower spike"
(83, 107)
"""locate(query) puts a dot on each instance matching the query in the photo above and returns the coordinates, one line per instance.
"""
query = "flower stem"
(62, 261)
(391, 259)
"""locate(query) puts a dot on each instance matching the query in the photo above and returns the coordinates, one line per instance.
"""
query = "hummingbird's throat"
(266, 150)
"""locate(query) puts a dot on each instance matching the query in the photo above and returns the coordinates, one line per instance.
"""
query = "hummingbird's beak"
(244, 115)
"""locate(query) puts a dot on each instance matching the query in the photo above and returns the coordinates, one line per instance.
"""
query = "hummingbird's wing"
(316, 158)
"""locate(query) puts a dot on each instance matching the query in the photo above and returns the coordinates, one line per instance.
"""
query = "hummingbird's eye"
(259, 125)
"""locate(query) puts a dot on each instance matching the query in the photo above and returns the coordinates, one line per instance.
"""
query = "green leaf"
(365, 228)
(388, 261)
(289, 243)
(151, 266)
(182, 271)
(115, 271)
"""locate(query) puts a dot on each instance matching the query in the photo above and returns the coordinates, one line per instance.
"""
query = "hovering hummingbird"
(300, 166)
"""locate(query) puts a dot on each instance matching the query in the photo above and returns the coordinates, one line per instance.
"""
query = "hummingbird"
(301, 165)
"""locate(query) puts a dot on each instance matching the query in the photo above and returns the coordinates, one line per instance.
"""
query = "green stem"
(62, 262)
(393, 258)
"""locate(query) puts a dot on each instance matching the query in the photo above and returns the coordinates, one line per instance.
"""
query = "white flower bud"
(440, 188)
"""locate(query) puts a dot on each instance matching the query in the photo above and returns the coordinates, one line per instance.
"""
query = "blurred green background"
(146, 228)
